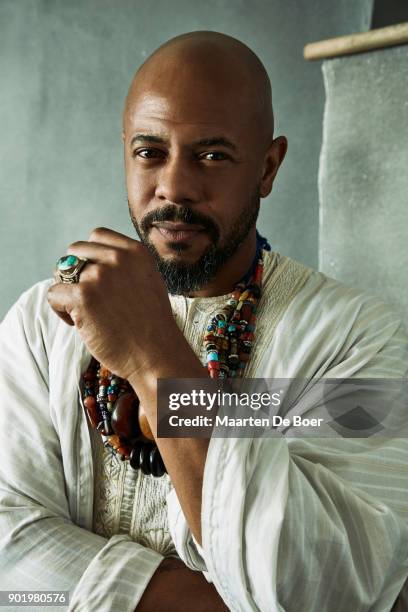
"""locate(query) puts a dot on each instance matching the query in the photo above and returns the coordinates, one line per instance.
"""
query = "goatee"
(184, 278)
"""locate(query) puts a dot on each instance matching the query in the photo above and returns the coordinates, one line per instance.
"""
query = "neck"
(232, 271)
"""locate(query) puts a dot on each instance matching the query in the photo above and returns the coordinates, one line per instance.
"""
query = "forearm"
(184, 457)
(176, 588)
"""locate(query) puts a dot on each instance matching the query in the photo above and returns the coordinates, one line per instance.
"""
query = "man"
(276, 524)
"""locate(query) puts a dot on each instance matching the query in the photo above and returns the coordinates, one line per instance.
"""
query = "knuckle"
(115, 257)
(98, 273)
(96, 233)
(73, 246)
(84, 293)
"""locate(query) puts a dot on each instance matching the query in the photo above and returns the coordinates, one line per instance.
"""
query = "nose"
(177, 182)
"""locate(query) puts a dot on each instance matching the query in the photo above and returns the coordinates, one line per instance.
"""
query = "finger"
(110, 237)
(92, 251)
(65, 317)
(61, 298)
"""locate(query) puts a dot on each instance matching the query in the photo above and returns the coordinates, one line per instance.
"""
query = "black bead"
(157, 467)
(135, 455)
(145, 458)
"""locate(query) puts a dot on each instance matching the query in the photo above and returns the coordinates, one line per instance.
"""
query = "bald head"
(208, 66)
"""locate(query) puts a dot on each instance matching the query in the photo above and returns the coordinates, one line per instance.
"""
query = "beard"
(182, 278)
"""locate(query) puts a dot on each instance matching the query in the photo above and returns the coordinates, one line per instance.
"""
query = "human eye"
(148, 153)
(213, 156)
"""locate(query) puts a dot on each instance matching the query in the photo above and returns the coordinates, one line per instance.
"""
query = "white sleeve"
(40, 547)
(313, 524)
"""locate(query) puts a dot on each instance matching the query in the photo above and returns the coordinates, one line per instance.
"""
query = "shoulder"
(327, 322)
(327, 298)
(31, 318)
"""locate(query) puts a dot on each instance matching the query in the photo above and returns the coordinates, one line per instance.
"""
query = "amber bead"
(92, 411)
(122, 451)
(114, 441)
(144, 424)
(125, 421)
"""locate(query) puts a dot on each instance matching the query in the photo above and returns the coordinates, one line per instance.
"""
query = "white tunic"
(129, 502)
(287, 523)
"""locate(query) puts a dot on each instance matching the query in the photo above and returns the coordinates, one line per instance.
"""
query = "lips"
(178, 231)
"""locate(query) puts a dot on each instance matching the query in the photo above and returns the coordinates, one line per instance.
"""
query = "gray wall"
(65, 66)
(363, 174)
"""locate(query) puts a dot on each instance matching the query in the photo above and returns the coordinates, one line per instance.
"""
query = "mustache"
(183, 214)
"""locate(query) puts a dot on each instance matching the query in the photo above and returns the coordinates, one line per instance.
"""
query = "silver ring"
(69, 268)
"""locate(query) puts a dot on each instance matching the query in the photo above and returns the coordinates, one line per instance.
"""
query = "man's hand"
(176, 588)
(120, 306)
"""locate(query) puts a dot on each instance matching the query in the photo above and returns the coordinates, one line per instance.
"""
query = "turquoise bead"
(212, 356)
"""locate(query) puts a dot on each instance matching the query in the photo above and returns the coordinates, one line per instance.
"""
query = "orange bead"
(114, 441)
(91, 410)
(144, 425)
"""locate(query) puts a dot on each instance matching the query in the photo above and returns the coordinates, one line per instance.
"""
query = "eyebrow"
(147, 138)
(216, 141)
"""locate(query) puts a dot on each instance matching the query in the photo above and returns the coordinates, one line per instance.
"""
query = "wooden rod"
(356, 43)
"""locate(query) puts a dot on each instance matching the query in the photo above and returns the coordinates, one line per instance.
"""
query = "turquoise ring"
(69, 268)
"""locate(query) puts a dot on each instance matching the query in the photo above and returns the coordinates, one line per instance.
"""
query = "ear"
(273, 159)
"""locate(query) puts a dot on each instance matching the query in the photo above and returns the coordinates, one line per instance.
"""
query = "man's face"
(193, 172)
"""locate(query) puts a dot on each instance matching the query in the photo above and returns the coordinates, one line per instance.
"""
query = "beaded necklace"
(114, 409)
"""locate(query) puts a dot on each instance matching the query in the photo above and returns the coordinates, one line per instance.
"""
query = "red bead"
(213, 365)
(91, 409)
(125, 416)
(209, 337)
(258, 276)
(246, 312)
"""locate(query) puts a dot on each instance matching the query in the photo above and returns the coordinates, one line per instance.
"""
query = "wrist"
(174, 359)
